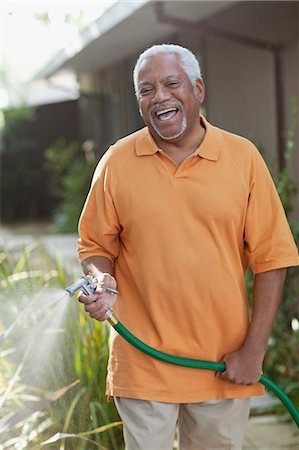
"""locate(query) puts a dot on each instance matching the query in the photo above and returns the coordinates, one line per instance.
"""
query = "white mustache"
(157, 106)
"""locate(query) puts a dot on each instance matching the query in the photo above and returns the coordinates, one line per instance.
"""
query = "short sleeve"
(98, 225)
(269, 243)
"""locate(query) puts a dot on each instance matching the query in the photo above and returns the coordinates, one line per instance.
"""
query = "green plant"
(282, 358)
(17, 121)
(53, 362)
(71, 176)
(20, 161)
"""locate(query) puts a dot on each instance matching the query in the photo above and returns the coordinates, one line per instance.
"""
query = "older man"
(176, 213)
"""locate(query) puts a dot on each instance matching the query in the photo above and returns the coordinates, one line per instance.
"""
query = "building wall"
(241, 91)
(108, 105)
(240, 82)
(243, 65)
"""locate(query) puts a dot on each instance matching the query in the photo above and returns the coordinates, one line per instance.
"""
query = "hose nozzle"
(83, 284)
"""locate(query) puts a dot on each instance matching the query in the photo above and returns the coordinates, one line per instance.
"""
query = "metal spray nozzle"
(84, 284)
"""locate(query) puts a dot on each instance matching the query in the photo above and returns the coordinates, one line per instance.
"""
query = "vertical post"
(280, 116)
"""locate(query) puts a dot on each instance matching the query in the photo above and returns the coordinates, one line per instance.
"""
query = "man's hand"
(242, 367)
(98, 303)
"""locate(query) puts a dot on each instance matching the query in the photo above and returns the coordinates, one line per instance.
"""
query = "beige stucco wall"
(255, 69)
(240, 82)
(241, 91)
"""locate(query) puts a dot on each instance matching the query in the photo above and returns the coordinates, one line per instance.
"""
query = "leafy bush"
(282, 358)
(71, 176)
(53, 362)
(20, 163)
(281, 362)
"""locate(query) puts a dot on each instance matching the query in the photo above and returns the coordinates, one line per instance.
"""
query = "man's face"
(168, 102)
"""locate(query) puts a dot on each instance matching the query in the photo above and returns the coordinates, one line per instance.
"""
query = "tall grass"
(53, 362)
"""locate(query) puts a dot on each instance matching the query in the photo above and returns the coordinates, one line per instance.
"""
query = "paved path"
(62, 246)
(268, 433)
(263, 432)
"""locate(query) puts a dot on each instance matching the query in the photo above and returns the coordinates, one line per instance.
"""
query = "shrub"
(282, 358)
(53, 362)
(71, 176)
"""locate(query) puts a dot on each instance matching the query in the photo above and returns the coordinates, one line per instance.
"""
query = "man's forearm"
(95, 264)
(266, 298)
(244, 365)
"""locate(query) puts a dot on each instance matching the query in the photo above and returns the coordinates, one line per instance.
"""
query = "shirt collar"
(211, 144)
(209, 148)
(145, 144)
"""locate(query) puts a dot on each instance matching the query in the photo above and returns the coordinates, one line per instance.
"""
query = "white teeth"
(165, 111)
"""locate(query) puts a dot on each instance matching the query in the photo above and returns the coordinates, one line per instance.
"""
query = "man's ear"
(199, 90)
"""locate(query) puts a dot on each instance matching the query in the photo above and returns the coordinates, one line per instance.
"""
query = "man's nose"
(161, 94)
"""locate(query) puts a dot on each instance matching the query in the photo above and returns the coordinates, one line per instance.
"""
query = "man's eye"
(172, 84)
(145, 91)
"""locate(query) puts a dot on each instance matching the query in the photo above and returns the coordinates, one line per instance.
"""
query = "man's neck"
(179, 149)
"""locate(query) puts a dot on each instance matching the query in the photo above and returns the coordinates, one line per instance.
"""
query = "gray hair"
(187, 59)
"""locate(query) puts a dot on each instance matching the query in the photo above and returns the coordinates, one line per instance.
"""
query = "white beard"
(174, 136)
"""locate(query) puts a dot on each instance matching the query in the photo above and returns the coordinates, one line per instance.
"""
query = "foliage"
(71, 175)
(17, 121)
(53, 361)
(76, 21)
(282, 358)
(16, 161)
(21, 160)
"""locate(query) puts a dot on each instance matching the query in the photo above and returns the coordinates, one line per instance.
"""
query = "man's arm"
(102, 271)
(95, 265)
(244, 366)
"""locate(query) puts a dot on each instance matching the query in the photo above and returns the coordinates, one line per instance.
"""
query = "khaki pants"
(213, 425)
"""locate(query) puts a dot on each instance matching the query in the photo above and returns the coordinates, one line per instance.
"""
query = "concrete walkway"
(264, 432)
(268, 433)
(62, 246)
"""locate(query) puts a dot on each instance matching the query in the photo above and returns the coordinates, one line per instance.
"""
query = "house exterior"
(248, 52)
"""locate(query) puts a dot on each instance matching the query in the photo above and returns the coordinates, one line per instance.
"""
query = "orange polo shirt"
(181, 239)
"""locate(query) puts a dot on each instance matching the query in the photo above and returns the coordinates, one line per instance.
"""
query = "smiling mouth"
(166, 114)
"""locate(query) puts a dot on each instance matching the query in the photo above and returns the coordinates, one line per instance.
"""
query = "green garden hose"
(199, 364)
(85, 285)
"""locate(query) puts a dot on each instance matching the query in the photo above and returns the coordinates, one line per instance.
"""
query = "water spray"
(85, 284)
